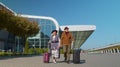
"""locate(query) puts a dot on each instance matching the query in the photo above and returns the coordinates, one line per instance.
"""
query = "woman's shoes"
(54, 61)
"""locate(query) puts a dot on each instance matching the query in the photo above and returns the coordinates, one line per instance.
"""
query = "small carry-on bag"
(46, 57)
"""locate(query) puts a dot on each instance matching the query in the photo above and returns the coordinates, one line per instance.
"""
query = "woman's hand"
(49, 42)
(59, 46)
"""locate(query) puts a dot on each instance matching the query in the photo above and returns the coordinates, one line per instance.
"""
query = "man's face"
(66, 30)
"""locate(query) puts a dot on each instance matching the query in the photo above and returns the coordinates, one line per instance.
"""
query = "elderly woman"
(54, 41)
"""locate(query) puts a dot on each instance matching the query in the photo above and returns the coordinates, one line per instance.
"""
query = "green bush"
(37, 50)
(6, 53)
(31, 51)
(61, 51)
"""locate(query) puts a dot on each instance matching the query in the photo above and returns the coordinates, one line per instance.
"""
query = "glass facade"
(42, 38)
(80, 37)
(10, 42)
(19, 44)
(0, 6)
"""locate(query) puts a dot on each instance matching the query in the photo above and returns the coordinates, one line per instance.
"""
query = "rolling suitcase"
(46, 57)
(76, 56)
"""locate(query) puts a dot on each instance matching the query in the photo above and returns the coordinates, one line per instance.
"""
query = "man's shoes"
(65, 59)
(68, 62)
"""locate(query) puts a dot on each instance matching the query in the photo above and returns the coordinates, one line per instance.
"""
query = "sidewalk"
(87, 60)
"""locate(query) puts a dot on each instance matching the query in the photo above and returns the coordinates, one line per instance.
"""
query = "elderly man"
(66, 40)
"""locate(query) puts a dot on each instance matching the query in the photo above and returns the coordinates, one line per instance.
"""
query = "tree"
(18, 26)
(4, 18)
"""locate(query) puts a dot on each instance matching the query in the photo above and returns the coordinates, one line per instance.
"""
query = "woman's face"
(54, 33)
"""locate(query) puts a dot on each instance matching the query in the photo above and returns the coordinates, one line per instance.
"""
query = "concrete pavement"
(87, 60)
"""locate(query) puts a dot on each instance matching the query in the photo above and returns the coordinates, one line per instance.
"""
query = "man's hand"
(61, 45)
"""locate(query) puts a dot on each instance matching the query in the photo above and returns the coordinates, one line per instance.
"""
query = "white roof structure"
(79, 27)
(42, 17)
(80, 33)
(108, 46)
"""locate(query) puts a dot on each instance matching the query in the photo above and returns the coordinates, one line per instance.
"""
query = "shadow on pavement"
(60, 61)
(81, 62)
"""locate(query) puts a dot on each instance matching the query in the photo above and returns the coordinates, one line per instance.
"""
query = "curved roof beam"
(42, 17)
(8, 8)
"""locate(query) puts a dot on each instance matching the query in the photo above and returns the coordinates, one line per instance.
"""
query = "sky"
(104, 14)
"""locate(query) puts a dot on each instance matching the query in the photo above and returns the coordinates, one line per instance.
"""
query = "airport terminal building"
(80, 32)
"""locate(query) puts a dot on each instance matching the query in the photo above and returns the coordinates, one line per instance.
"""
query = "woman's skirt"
(55, 50)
